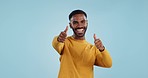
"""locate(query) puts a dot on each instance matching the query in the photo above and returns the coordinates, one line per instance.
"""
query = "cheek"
(72, 26)
(86, 25)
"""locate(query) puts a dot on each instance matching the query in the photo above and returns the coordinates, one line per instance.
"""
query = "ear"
(87, 23)
(70, 25)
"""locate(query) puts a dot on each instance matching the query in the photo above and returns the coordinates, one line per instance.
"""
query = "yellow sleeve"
(58, 46)
(103, 59)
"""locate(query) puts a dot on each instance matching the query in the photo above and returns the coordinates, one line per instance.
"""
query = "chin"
(80, 35)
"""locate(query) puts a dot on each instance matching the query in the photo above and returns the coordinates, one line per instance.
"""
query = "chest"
(82, 53)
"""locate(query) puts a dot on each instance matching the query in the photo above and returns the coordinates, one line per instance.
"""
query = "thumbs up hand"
(63, 35)
(98, 43)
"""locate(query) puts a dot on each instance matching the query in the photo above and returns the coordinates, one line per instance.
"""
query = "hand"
(63, 35)
(98, 43)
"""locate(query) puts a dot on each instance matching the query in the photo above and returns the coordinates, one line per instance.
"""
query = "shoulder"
(69, 37)
(90, 45)
(68, 40)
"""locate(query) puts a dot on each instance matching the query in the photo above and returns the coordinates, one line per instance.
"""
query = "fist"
(63, 35)
(98, 43)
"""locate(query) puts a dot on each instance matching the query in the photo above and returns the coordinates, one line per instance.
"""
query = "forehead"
(78, 17)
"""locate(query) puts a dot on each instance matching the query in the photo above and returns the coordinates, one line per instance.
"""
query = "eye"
(75, 22)
(83, 21)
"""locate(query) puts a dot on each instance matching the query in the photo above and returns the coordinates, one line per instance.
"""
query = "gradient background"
(27, 28)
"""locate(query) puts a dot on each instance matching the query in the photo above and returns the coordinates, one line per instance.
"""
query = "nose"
(80, 25)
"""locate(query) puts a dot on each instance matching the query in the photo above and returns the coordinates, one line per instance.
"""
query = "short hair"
(77, 12)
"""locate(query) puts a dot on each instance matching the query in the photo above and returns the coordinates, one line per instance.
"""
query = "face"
(78, 23)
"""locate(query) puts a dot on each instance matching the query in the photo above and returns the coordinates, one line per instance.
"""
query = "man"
(78, 57)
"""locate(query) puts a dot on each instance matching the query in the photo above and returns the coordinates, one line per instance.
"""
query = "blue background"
(27, 28)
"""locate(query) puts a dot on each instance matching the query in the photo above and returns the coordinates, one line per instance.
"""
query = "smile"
(80, 30)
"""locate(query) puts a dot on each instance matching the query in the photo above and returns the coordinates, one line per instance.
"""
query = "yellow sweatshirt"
(78, 57)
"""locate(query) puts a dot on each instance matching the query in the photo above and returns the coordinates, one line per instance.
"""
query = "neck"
(78, 38)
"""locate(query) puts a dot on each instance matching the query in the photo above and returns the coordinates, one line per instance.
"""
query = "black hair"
(77, 12)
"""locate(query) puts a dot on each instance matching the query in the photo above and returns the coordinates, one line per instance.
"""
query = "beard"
(79, 31)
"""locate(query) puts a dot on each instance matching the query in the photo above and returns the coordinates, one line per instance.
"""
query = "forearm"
(106, 59)
(103, 59)
(58, 46)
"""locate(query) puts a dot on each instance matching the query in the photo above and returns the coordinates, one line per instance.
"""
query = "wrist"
(102, 49)
(58, 39)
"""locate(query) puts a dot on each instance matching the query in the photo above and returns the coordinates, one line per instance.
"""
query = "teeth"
(79, 30)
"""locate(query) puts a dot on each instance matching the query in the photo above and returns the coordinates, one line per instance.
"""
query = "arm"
(58, 41)
(103, 59)
(58, 46)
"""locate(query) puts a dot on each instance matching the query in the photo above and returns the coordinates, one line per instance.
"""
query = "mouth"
(80, 30)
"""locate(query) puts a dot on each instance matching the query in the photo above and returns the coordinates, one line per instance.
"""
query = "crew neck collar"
(83, 40)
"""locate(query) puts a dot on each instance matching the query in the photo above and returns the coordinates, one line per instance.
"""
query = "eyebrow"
(77, 21)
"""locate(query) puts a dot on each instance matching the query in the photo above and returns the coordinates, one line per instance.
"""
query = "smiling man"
(77, 56)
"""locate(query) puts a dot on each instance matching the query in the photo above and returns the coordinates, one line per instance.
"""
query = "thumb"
(66, 29)
(95, 37)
